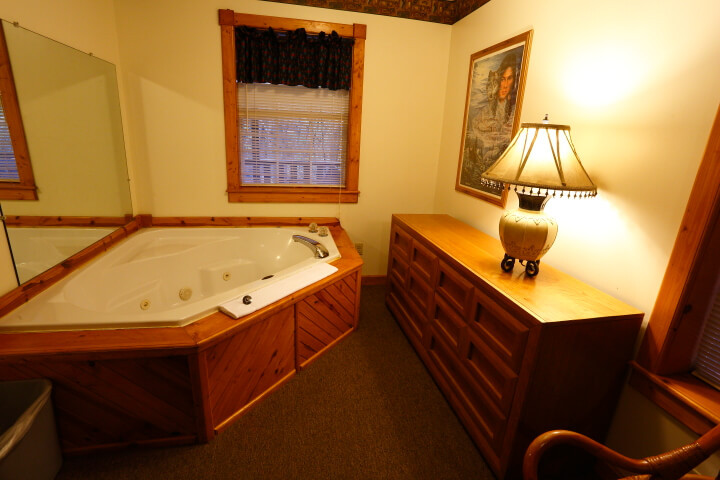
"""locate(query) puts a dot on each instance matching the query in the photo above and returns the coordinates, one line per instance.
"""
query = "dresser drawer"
(492, 374)
(470, 402)
(424, 263)
(419, 292)
(398, 269)
(447, 322)
(400, 242)
(411, 322)
(455, 289)
(500, 331)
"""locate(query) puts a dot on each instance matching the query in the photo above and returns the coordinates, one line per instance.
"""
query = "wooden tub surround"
(180, 385)
(515, 356)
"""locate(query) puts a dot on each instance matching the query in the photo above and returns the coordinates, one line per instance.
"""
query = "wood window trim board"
(228, 20)
(689, 400)
(661, 371)
(25, 188)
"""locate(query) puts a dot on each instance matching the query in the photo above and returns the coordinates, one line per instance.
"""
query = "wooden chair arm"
(666, 466)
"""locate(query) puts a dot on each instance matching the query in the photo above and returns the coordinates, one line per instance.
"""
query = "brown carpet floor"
(367, 409)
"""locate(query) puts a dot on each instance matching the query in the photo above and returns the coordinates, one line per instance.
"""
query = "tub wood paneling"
(324, 318)
(116, 402)
(250, 363)
(179, 385)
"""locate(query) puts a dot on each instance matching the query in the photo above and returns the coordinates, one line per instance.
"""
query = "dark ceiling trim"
(437, 11)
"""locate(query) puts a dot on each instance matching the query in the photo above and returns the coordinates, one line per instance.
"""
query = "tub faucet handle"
(323, 232)
(313, 228)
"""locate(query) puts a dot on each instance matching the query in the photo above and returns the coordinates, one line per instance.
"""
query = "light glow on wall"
(601, 75)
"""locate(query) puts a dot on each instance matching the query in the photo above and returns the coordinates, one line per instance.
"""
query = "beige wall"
(170, 56)
(638, 85)
(87, 25)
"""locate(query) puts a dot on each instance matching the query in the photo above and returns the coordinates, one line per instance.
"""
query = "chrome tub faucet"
(318, 248)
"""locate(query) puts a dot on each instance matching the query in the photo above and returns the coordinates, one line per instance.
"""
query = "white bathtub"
(172, 276)
(36, 249)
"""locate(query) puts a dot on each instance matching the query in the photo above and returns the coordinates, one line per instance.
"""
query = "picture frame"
(493, 101)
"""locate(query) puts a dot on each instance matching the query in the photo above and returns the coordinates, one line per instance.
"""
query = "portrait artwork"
(492, 113)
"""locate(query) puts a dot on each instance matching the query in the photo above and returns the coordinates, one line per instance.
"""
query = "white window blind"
(8, 167)
(292, 136)
(707, 361)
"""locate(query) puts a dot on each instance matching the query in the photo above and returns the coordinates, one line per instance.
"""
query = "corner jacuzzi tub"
(163, 277)
(36, 249)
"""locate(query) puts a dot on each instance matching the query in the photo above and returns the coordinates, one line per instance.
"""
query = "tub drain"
(145, 304)
(226, 276)
(185, 293)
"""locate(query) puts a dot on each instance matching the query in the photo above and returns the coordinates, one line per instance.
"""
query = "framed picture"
(496, 83)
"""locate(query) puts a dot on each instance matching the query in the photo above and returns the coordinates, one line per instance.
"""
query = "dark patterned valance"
(293, 58)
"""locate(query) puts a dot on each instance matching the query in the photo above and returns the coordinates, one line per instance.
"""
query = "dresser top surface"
(551, 296)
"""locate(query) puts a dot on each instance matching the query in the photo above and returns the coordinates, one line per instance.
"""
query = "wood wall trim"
(374, 279)
(691, 401)
(229, 17)
(658, 352)
(65, 221)
(352, 166)
(230, 106)
(294, 195)
(241, 221)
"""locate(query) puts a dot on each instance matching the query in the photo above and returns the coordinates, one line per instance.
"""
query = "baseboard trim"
(374, 280)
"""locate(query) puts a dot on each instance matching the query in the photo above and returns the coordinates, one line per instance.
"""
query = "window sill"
(18, 192)
(690, 400)
(292, 195)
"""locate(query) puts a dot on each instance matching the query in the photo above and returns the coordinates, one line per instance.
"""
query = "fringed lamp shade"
(540, 161)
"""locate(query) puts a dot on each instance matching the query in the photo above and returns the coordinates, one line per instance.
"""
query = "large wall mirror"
(70, 111)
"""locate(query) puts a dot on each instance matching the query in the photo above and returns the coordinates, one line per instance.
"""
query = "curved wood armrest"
(669, 465)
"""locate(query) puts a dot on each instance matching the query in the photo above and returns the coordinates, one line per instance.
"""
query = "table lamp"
(540, 162)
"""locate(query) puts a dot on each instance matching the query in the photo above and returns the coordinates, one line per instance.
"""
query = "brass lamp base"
(527, 233)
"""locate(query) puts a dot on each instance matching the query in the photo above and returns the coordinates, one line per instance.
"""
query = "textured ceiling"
(438, 11)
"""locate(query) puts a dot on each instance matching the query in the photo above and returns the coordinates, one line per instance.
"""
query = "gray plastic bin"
(29, 448)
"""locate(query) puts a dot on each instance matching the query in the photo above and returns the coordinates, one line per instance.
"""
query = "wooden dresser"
(515, 356)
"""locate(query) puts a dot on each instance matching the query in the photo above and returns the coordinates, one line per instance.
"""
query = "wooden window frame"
(228, 20)
(25, 188)
(662, 369)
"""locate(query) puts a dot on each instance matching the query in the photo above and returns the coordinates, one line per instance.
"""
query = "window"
(292, 135)
(668, 354)
(291, 143)
(707, 360)
(16, 177)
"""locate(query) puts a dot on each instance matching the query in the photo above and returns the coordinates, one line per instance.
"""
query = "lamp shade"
(542, 156)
